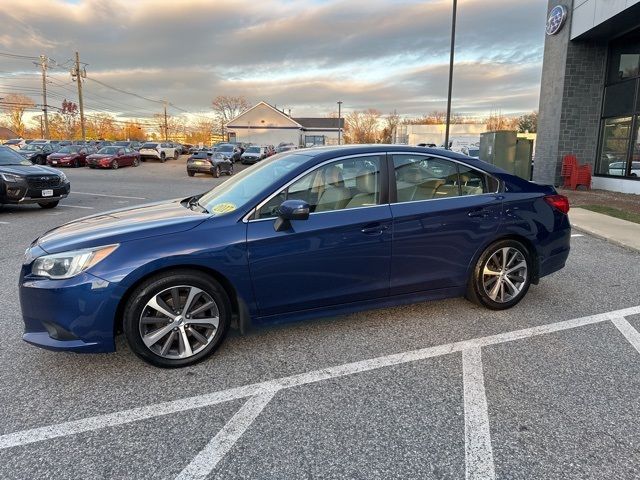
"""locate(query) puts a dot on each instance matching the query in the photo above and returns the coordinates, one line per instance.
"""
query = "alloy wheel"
(504, 274)
(179, 322)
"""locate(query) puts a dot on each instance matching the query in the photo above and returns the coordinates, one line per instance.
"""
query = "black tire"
(149, 288)
(230, 171)
(190, 173)
(136, 162)
(115, 165)
(76, 164)
(216, 171)
(476, 287)
(163, 157)
(91, 167)
(176, 155)
(48, 205)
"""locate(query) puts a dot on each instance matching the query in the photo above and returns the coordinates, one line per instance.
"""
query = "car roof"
(321, 153)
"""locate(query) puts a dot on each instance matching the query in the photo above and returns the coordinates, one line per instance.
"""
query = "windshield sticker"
(223, 208)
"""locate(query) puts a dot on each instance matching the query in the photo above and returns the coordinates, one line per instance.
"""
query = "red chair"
(574, 174)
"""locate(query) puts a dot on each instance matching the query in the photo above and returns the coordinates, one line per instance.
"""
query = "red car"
(114, 157)
(69, 156)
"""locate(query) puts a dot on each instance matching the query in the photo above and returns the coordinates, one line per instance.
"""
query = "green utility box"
(505, 150)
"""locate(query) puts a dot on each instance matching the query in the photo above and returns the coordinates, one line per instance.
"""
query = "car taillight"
(559, 202)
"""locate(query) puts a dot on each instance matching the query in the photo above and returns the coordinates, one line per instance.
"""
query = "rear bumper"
(199, 168)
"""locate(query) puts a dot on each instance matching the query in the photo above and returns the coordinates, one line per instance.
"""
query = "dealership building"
(590, 92)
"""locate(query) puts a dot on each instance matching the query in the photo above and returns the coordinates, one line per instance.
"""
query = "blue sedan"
(302, 234)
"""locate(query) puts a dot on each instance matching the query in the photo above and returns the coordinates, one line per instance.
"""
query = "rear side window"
(420, 177)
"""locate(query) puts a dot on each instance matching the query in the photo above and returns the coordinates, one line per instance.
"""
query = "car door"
(340, 254)
(443, 211)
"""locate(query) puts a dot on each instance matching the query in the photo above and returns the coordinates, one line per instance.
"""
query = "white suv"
(158, 151)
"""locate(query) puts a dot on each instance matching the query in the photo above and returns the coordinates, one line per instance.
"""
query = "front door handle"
(478, 213)
(374, 229)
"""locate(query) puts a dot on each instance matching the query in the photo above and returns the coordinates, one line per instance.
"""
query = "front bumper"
(76, 314)
(22, 192)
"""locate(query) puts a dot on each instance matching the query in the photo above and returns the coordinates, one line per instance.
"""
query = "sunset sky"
(303, 55)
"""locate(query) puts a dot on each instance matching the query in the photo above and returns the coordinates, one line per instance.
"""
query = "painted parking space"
(478, 445)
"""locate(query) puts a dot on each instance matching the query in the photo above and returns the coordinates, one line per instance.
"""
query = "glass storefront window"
(635, 156)
(614, 149)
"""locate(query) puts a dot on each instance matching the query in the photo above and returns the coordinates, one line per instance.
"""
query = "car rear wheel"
(115, 164)
(230, 171)
(190, 173)
(163, 157)
(176, 155)
(501, 276)
(47, 205)
(136, 162)
(216, 171)
(177, 318)
(76, 164)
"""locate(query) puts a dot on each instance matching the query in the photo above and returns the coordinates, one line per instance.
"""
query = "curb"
(605, 238)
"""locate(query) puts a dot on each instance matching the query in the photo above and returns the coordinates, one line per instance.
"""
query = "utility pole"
(78, 75)
(339, 120)
(43, 66)
(166, 129)
(453, 42)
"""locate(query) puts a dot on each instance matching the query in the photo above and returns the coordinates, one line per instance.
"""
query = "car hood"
(99, 156)
(118, 226)
(29, 170)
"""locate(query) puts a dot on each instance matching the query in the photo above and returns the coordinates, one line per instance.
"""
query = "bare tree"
(362, 126)
(228, 107)
(14, 105)
(528, 122)
(436, 118)
(497, 121)
(391, 123)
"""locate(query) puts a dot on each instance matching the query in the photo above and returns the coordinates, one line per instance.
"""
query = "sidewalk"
(614, 230)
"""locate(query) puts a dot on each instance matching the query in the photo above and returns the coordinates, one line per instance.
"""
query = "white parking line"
(97, 422)
(217, 448)
(628, 331)
(4, 223)
(77, 206)
(576, 235)
(477, 443)
(108, 195)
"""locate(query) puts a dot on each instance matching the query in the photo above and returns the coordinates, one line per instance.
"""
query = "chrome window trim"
(245, 219)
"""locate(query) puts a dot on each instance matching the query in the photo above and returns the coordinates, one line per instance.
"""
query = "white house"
(264, 124)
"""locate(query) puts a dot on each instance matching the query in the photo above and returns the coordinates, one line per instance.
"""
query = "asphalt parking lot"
(445, 389)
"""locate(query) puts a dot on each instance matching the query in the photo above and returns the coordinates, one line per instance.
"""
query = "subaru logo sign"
(556, 19)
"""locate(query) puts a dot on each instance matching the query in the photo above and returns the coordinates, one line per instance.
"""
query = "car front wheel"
(501, 276)
(177, 318)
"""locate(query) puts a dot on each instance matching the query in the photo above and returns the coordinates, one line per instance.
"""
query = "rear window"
(150, 145)
(225, 148)
(201, 154)
(12, 142)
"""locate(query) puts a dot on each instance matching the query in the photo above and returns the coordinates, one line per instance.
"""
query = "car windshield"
(69, 149)
(108, 150)
(10, 157)
(150, 145)
(224, 148)
(241, 188)
(33, 147)
(253, 150)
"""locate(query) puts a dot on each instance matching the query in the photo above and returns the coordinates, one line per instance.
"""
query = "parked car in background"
(36, 152)
(15, 143)
(158, 151)
(285, 147)
(133, 144)
(22, 182)
(114, 158)
(271, 150)
(620, 168)
(292, 238)
(229, 151)
(213, 163)
(253, 154)
(69, 156)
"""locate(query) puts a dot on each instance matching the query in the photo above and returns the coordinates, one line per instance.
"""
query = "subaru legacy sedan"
(307, 233)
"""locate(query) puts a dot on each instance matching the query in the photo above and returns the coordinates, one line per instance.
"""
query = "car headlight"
(63, 265)
(9, 177)
(63, 177)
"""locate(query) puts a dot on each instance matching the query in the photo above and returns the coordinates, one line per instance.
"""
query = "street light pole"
(339, 120)
(451, 53)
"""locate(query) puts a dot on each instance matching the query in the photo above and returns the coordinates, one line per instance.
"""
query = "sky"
(304, 54)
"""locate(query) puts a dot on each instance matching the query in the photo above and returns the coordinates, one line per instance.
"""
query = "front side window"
(343, 184)
(426, 178)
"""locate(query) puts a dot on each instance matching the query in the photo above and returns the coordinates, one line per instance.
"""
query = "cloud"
(302, 55)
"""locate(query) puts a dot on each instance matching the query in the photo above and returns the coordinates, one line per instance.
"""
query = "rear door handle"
(374, 229)
(478, 213)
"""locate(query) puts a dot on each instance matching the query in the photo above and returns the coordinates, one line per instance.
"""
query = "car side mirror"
(291, 210)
